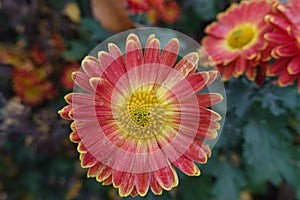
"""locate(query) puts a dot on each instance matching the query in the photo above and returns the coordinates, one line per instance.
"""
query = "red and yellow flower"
(167, 11)
(285, 21)
(235, 42)
(66, 79)
(139, 115)
(31, 84)
(170, 12)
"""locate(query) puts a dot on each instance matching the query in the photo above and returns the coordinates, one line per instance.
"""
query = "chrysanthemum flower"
(167, 11)
(31, 85)
(170, 12)
(235, 42)
(138, 6)
(66, 78)
(141, 115)
(286, 37)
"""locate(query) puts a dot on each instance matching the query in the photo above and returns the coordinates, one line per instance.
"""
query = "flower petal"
(210, 99)
(82, 80)
(65, 112)
(195, 152)
(152, 51)
(294, 66)
(142, 183)
(187, 166)
(170, 52)
(166, 177)
(91, 66)
(155, 187)
(134, 55)
(277, 67)
(127, 185)
(188, 64)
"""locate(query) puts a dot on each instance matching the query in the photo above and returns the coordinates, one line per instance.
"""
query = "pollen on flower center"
(139, 107)
(241, 36)
(143, 115)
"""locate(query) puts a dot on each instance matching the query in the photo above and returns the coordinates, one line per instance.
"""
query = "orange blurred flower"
(30, 84)
(66, 79)
(167, 11)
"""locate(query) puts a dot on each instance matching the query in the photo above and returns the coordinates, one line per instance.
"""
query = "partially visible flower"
(138, 6)
(30, 84)
(285, 21)
(57, 42)
(153, 15)
(37, 55)
(167, 11)
(170, 12)
(66, 78)
(139, 115)
(235, 42)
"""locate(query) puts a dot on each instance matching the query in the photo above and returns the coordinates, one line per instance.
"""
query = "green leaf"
(191, 187)
(271, 102)
(92, 26)
(239, 96)
(205, 9)
(76, 51)
(230, 181)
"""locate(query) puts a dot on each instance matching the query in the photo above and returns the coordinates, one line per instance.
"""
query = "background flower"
(235, 42)
(285, 37)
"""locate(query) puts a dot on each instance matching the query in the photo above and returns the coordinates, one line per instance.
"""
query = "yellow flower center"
(241, 36)
(143, 115)
(139, 107)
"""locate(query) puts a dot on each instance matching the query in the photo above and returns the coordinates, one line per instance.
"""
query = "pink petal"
(82, 80)
(277, 37)
(166, 177)
(187, 166)
(207, 100)
(74, 137)
(134, 55)
(195, 152)
(116, 53)
(294, 66)
(285, 79)
(113, 70)
(102, 87)
(170, 52)
(91, 66)
(227, 71)
(152, 51)
(142, 183)
(251, 73)
(277, 67)
(217, 30)
(104, 173)
(87, 160)
(285, 51)
(278, 22)
(188, 64)
(154, 185)
(65, 112)
(95, 170)
(240, 66)
(127, 185)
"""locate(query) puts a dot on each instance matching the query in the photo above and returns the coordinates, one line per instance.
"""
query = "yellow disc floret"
(143, 115)
(241, 37)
